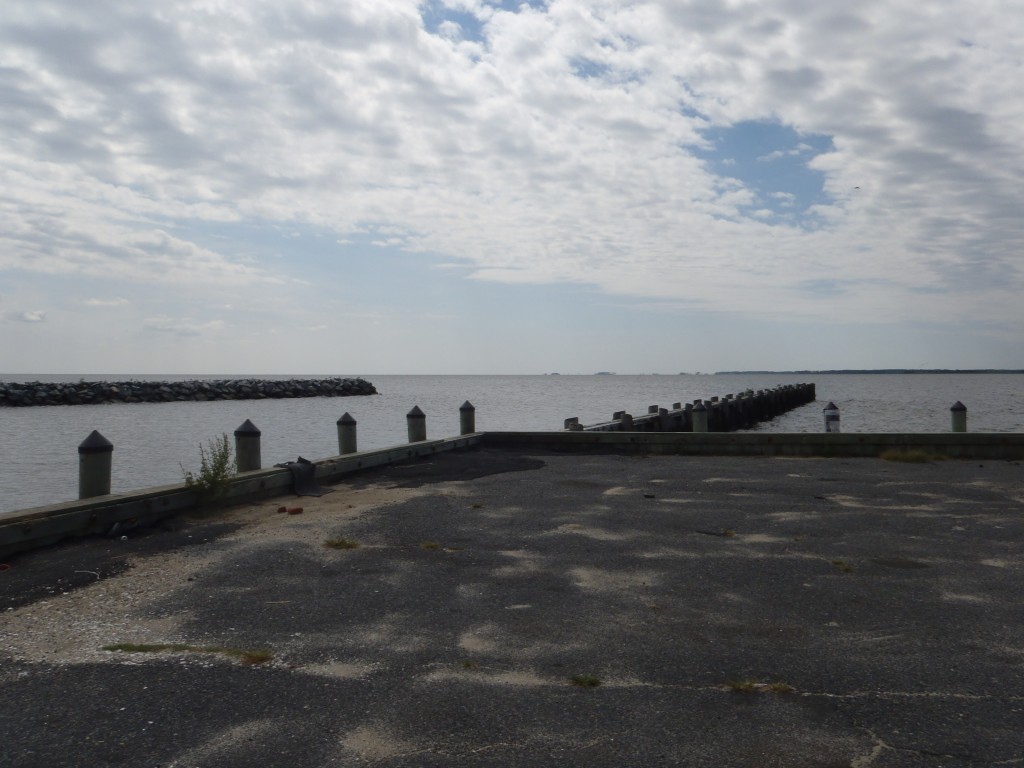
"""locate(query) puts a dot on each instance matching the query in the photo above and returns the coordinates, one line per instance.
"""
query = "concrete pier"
(525, 608)
(721, 414)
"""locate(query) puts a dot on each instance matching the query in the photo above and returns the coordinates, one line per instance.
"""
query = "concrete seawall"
(100, 392)
(39, 526)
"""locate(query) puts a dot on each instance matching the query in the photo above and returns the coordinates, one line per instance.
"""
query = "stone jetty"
(100, 392)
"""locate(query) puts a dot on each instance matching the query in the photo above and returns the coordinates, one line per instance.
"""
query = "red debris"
(295, 511)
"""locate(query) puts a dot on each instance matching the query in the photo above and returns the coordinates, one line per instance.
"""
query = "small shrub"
(216, 468)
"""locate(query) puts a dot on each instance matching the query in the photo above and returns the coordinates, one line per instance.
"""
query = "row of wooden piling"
(717, 414)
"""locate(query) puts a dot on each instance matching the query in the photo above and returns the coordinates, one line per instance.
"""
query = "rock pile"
(97, 392)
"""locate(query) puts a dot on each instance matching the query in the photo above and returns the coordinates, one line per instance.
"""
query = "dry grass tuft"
(341, 544)
(912, 456)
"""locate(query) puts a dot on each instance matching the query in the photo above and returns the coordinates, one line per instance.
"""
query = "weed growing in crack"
(758, 686)
(585, 681)
(341, 544)
(245, 656)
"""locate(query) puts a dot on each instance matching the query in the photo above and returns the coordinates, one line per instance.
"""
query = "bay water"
(153, 442)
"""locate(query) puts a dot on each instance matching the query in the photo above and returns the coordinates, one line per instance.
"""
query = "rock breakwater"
(99, 392)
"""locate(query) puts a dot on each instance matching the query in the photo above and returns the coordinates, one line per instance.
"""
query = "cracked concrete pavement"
(725, 612)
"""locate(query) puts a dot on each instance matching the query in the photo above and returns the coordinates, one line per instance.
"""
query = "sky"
(473, 186)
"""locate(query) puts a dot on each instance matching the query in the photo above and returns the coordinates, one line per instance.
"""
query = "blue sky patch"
(436, 14)
(771, 160)
(585, 68)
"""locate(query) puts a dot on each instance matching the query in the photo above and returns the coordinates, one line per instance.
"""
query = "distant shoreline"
(897, 371)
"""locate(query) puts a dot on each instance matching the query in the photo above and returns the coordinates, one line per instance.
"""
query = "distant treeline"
(883, 370)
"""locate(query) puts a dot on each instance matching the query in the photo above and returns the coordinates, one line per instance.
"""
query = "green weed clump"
(216, 468)
(911, 456)
(585, 681)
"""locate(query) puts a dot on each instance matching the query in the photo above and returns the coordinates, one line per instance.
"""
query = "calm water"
(39, 460)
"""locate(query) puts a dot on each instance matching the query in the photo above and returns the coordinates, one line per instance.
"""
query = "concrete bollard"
(95, 462)
(626, 423)
(417, 423)
(467, 418)
(573, 424)
(247, 447)
(700, 417)
(652, 409)
(346, 435)
(831, 417)
(959, 413)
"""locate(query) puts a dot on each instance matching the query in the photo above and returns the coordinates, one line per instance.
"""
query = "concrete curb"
(990, 446)
(41, 526)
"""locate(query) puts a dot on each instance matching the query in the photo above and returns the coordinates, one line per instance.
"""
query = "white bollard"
(959, 414)
(831, 417)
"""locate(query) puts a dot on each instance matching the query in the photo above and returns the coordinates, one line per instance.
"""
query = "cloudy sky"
(475, 186)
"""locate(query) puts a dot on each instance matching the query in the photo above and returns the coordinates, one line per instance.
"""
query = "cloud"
(182, 326)
(537, 143)
(118, 302)
(29, 316)
(780, 153)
